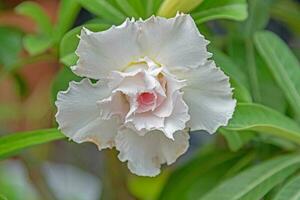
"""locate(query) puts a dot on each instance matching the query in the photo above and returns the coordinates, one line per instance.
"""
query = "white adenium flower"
(155, 83)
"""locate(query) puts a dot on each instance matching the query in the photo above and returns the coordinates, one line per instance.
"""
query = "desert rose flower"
(155, 84)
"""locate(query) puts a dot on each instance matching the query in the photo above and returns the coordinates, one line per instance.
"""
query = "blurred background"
(33, 68)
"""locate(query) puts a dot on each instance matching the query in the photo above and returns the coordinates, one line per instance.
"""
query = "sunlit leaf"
(256, 181)
(283, 65)
(225, 9)
(15, 142)
(257, 117)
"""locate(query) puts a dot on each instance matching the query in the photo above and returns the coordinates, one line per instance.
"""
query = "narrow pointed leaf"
(68, 11)
(257, 117)
(283, 65)
(13, 143)
(216, 9)
(256, 181)
(104, 9)
(127, 8)
(290, 191)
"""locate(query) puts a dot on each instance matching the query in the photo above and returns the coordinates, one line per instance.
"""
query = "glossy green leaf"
(68, 11)
(225, 9)
(12, 143)
(257, 117)
(36, 12)
(256, 181)
(283, 65)
(70, 42)
(36, 44)
(290, 191)
(104, 9)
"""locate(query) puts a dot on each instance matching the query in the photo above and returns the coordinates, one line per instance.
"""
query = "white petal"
(174, 42)
(166, 108)
(131, 83)
(146, 120)
(115, 105)
(209, 97)
(102, 52)
(145, 154)
(79, 117)
(177, 120)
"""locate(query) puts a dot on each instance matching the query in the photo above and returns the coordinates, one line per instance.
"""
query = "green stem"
(251, 66)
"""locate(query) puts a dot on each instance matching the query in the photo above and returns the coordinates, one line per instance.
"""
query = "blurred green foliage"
(255, 157)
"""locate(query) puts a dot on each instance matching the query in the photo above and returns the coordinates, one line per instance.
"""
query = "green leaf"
(283, 65)
(271, 95)
(61, 81)
(12, 143)
(70, 42)
(139, 7)
(235, 139)
(238, 78)
(256, 181)
(36, 44)
(11, 46)
(104, 9)
(68, 11)
(290, 190)
(127, 8)
(216, 9)
(258, 16)
(257, 117)
(35, 12)
(229, 67)
(240, 92)
(199, 175)
(169, 8)
(153, 6)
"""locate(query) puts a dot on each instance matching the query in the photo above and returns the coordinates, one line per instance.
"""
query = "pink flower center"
(146, 99)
